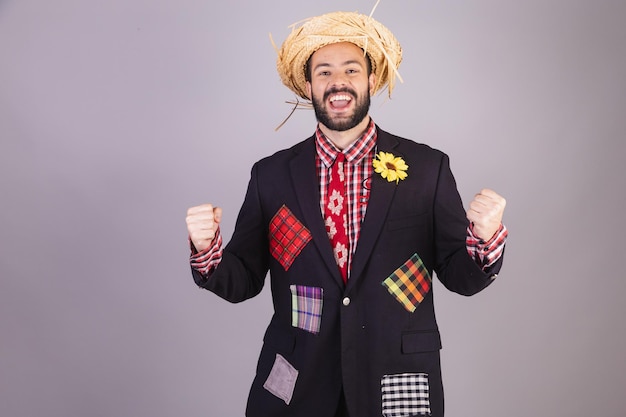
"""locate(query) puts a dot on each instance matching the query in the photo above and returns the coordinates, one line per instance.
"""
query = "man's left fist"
(485, 212)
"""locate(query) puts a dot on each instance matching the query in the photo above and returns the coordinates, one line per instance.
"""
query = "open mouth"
(340, 101)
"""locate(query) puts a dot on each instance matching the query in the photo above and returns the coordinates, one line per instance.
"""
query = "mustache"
(336, 90)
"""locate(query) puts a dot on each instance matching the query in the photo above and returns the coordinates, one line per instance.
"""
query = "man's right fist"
(202, 222)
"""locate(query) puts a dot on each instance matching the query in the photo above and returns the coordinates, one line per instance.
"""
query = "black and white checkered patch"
(405, 395)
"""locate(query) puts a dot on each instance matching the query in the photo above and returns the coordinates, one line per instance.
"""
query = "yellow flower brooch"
(391, 167)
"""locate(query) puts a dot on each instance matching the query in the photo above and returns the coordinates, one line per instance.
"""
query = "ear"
(372, 82)
(308, 90)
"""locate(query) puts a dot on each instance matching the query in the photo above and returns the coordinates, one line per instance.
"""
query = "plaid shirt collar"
(354, 153)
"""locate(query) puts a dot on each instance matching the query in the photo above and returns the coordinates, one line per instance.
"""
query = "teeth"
(340, 97)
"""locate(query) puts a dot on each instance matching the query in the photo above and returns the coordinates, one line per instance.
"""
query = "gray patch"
(282, 379)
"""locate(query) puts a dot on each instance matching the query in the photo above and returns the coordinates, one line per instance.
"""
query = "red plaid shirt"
(484, 253)
(359, 157)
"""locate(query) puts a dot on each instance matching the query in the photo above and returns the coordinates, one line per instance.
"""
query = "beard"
(340, 124)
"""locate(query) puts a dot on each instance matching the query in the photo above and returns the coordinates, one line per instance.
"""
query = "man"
(351, 224)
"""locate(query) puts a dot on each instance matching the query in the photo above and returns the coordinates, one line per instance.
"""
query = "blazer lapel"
(380, 199)
(306, 186)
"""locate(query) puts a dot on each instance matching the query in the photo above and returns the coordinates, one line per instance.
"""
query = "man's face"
(340, 86)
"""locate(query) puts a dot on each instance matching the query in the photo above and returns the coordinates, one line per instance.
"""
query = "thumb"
(217, 215)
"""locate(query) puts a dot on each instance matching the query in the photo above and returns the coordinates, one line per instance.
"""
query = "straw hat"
(375, 39)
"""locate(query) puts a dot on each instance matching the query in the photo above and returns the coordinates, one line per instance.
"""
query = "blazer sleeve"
(241, 273)
(454, 266)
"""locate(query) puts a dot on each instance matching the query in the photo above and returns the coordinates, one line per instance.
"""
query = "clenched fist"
(202, 222)
(485, 212)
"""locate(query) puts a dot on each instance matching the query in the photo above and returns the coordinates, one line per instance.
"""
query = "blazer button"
(346, 301)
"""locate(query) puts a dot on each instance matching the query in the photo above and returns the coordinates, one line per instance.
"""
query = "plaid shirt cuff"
(485, 254)
(207, 260)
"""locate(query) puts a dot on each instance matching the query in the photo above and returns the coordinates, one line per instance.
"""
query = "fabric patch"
(282, 379)
(410, 283)
(306, 307)
(405, 395)
(287, 237)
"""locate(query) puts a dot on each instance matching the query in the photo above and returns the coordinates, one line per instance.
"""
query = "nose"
(338, 79)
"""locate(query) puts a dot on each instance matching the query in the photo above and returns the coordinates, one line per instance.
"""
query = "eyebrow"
(346, 63)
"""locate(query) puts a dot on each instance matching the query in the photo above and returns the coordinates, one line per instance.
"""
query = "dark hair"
(307, 67)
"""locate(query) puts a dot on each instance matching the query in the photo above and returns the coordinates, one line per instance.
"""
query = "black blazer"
(360, 339)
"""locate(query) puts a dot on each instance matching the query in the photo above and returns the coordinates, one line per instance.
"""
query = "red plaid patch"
(287, 237)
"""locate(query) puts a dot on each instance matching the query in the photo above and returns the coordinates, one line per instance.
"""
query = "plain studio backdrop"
(116, 116)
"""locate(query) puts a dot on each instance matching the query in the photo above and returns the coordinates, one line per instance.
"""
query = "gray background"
(115, 116)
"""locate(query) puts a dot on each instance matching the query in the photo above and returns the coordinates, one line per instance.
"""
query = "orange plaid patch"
(410, 283)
